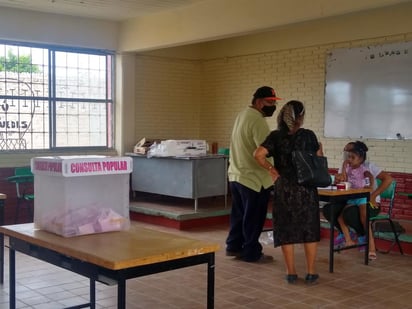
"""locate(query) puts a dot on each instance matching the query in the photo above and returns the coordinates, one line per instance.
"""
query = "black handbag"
(311, 170)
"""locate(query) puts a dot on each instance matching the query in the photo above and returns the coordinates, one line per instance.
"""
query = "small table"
(2, 201)
(333, 195)
(111, 258)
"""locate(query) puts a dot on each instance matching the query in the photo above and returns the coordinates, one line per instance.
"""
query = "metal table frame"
(332, 196)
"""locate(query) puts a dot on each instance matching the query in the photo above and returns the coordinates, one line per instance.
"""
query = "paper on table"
(328, 188)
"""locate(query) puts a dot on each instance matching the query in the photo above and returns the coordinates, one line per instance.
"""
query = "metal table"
(333, 195)
(185, 177)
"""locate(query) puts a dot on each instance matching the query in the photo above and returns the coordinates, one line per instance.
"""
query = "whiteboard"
(368, 92)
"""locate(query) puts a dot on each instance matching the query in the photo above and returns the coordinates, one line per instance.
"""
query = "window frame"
(52, 99)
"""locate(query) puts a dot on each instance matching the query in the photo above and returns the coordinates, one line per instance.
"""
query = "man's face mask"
(268, 110)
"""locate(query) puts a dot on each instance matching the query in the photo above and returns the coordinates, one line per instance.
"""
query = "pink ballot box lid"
(73, 166)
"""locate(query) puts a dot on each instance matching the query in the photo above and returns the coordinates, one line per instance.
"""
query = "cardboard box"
(179, 148)
(143, 146)
(78, 195)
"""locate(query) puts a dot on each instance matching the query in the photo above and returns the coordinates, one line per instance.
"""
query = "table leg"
(367, 232)
(121, 294)
(211, 281)
(12, 274)
(331, 237)
(92, 294)
(1, 258)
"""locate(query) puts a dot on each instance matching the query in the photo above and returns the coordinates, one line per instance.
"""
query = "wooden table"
(111, 258)
(333, 196)
(2, 201)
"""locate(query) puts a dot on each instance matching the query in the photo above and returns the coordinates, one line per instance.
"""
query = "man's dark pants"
(247, 217)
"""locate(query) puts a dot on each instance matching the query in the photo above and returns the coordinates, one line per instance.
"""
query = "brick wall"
(403, 205)
(167, 98)
(178, 98)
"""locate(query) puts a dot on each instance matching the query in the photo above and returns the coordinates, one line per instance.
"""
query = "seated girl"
(357, 174)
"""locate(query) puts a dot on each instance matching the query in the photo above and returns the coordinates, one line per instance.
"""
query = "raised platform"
(177, 212)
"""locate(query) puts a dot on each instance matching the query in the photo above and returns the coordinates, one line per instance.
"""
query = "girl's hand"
(373, 197)
(339, 178)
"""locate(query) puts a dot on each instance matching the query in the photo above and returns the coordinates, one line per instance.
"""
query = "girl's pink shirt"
(356, 176)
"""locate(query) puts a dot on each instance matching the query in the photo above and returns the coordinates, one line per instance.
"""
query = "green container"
(223, 151)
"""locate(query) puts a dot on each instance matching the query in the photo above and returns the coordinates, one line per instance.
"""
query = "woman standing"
(296, 207)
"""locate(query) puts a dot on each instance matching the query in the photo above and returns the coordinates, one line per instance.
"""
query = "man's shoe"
(236, 254)
(263, 259)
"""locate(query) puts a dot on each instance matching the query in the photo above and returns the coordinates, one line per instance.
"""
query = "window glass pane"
(46, 106)
(81, 75)
(24, 125)
(81, 124)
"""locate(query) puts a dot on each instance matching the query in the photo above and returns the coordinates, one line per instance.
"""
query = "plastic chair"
(388, 194)
(23, 178)
(223, 151)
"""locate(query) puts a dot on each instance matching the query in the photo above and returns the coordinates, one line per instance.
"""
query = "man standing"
(250, 184)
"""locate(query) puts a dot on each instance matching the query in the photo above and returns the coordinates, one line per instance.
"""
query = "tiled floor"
(385, 283)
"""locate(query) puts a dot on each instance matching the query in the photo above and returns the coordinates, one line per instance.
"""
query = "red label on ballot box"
(69, 166)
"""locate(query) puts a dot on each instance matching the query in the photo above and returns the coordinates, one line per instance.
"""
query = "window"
(53, 98)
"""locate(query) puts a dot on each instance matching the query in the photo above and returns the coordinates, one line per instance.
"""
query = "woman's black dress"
(295, 207)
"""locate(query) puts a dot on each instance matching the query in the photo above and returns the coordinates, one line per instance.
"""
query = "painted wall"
(35, 27)
(168, 98)
(226, 72)
(217, 19)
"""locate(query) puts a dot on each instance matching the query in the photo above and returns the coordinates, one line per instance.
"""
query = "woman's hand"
(260, 157)
(274, 174)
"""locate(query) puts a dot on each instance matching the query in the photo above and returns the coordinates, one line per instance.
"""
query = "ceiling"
(120, 10)
(169, 23)
(115, 10)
